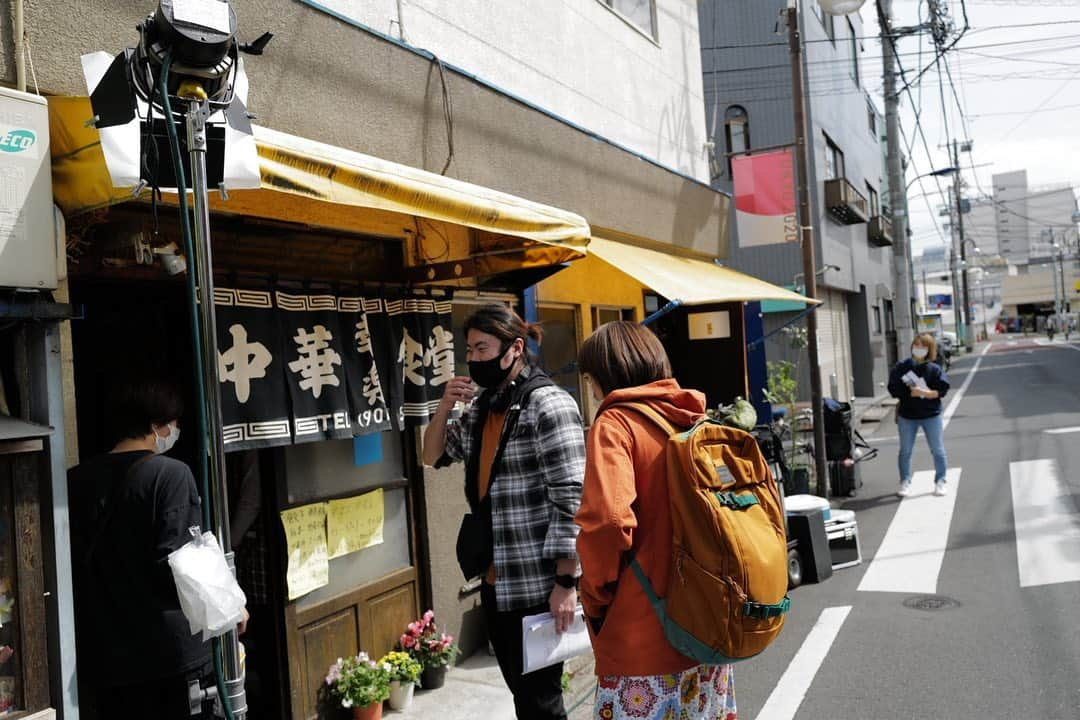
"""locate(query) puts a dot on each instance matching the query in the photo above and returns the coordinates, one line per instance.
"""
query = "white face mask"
(919, 352)
(165, 444)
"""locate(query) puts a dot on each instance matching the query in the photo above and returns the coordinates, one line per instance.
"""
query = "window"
(834, 160)
(559, 351)
(877, 320)
(829, 21)
(875, 202)
(602, 315)
(871, 114)
(639, 13)
(736, 132)
(854, 42)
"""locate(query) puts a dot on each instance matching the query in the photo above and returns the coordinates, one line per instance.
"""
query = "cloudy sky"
(1017, 78)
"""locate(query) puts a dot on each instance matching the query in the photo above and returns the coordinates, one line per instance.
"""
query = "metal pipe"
(19, 31)
(197, 115)
(798, 85)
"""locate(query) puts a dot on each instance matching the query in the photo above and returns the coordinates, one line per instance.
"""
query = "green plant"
(359, 681)
(784, 381)
(403, 666)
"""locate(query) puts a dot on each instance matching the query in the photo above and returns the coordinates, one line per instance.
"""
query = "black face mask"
(488, 373)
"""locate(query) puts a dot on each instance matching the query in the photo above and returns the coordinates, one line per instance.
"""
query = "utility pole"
(966, 314)
(806, 232)
(902, 280)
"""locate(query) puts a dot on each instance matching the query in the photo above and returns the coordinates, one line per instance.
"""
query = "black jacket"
(914, 408)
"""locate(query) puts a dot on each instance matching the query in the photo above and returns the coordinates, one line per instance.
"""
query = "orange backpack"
(728, 582)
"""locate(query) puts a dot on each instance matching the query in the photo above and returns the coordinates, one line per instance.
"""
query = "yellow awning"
(317, 184)
(688, 281)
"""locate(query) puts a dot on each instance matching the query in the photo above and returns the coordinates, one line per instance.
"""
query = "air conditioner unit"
(28, 238)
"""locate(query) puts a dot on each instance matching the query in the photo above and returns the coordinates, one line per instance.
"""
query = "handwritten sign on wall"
(355, 523)
(305, 533)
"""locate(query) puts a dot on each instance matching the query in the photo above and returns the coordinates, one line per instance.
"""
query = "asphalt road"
(1009, 557)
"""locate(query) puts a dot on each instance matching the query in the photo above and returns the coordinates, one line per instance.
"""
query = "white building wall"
(575, 58)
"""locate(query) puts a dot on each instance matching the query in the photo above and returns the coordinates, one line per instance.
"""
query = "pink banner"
(765, 198)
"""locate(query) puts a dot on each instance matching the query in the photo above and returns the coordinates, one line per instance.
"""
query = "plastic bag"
(210, 597)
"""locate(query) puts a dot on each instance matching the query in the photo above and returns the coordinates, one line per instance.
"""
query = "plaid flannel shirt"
(535, 493)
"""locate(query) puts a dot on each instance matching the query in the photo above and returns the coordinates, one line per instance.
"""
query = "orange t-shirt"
(489, 446)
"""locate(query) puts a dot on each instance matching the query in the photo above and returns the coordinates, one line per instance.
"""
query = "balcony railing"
(845, 203)
(879, 231)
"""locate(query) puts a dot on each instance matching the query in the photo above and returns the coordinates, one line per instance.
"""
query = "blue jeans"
(934, 430)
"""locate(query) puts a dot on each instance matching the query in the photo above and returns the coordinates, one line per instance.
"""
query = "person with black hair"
(128, 510)
(523, 446)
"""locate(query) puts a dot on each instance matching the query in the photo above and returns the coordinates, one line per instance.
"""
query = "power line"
(1041, 105)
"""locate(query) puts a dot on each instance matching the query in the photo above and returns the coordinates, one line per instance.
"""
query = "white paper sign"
(212, 14)
(542, 647)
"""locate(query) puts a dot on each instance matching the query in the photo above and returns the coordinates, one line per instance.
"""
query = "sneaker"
(940, 490)
(905, 488)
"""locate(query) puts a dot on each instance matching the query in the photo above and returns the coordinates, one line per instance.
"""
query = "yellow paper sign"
(305, 534)
(355, 523)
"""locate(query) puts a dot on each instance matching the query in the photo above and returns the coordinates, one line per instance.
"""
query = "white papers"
(210, 14)
(912, 380)
(541, 646)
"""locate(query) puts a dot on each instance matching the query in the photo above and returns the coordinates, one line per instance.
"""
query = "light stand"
(196, 117)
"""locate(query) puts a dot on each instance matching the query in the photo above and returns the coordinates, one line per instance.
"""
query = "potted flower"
(435, 650)
(360, 684)
(404, 675)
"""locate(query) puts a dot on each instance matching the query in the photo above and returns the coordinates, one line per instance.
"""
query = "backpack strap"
(647, 410)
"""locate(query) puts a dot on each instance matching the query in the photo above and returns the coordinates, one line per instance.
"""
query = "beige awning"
(685, 280)
(310, 182)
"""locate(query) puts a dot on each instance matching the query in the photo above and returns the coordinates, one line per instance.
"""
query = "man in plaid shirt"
(524, 452)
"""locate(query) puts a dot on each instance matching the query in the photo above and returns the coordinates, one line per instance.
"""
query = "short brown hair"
(624, 354)
(929, 342)
(504, 324)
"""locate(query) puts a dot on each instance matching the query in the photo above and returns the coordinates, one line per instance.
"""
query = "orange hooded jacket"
(625, 506)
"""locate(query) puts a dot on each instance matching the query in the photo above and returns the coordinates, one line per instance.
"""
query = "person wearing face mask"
(523, 447)
(128, 510)
(919, 383)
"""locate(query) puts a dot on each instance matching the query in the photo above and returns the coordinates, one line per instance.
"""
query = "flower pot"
(368, 712)
(401, 692)
(433, 677)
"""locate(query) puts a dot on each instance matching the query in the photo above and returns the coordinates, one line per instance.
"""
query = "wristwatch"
(566, 581)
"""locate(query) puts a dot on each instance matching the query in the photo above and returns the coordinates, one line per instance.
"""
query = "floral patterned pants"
(701, 693)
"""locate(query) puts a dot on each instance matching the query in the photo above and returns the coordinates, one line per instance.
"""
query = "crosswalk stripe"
(1063, 431)
(1047, 524)
(788, 694)
(909, 558)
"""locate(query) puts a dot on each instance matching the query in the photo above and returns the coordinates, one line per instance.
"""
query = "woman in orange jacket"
(624, 509)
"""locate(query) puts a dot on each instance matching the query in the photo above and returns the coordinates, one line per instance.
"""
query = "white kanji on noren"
(372, 390)
(243, 362)
(411, 357)
(363, 336)
(316, 360)
(440, 356)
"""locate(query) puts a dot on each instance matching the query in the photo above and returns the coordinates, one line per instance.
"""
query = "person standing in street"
(625, 511)
(129, 509)
(524, 452)
(920, 384)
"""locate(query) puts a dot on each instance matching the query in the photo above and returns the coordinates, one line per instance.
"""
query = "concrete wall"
(328, 80)
(558, 53)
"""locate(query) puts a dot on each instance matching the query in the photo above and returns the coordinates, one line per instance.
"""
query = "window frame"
(653, 36)
(854, 44)
(834, 160)
(736, 115)
(873, 199)
(579, 338)
(871, 113)
(626, 312)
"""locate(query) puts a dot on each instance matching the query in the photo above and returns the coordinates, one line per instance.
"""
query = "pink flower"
(429, 616)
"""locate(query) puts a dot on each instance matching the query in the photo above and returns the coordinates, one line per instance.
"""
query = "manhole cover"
(931, 602)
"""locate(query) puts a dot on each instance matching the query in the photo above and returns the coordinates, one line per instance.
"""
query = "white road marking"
(1063, 431)
(909, 558)
(788, 694)
(1047, 524)
(963, 388)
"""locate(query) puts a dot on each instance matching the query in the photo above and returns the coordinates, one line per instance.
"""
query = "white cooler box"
(843, 532)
